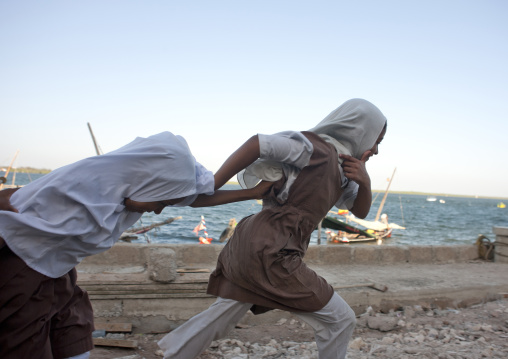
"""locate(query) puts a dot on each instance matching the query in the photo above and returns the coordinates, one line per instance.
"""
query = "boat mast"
(93, 139)
(8, 169)
(384, 198)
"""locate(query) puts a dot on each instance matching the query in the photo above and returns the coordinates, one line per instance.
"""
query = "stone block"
(198, 256)
(366, 255)
(467, 253)
(420, 254)
(392, 254)
(445, 254)
(129, 254)
(383, 324)
(336, 254)
(501, 247)
(175, 309)
(501, 253)
(313, 254)
(107, 308)
(162, 264)
(501, 231)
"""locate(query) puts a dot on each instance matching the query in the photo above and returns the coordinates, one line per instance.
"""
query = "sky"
(219, 72)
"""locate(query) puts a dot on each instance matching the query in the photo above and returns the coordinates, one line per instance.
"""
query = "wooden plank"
(147, 288)
(122, 343)
(380, 287)
(114, 327)
(153, 296)
(193, 270)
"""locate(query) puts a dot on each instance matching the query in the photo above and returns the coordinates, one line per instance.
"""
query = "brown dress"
(41, 317)
(262, 263)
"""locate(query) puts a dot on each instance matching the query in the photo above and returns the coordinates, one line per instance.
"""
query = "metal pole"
(384, 198)
(9, 168)
(93, 139)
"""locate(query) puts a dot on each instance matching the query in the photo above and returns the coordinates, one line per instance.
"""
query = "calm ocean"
(457, 221)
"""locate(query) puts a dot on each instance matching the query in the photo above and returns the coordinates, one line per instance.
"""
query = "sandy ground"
(480, 331)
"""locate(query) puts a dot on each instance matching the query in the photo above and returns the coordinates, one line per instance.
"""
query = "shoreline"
(30, 170)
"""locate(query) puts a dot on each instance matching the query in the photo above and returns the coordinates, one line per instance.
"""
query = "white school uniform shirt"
(77, 210)
(352, 129)
(287, 153)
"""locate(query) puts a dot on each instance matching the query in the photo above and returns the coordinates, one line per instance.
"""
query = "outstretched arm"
(229, 196)
(5, 196)
(203, 200)
(355, 170)
(240, 159)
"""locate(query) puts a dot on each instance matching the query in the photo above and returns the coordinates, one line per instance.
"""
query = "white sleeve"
(205, 183)
(289, 147)
(348, 197)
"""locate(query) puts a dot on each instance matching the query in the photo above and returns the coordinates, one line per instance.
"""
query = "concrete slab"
(430, 285)
(433, 277)
(501, 244)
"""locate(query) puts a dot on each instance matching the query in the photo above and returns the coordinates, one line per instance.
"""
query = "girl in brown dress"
(76, 211)
(261, 267)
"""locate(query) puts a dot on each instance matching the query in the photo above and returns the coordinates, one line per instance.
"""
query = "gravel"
(480, 331)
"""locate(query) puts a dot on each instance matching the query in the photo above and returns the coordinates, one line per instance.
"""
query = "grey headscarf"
(352, 128)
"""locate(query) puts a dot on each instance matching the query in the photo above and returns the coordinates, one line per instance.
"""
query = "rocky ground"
(480, 331)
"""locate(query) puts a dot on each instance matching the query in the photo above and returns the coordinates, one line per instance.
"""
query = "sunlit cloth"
(77, 210)
(284, 153)
(352, 129)
(374, 225)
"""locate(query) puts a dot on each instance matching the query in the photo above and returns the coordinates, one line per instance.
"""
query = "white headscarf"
(77, 210)
(352, 128)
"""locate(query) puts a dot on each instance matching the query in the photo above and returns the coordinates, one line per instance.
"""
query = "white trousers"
(81, 356)
(333, 327)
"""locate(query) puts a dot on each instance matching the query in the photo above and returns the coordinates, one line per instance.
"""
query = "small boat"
(345, 230)
(431, 199)
(501, 205)
(202, 227)
(442, 201)
(347, 233)
(375, 230)
(228, 232)
(131, 234)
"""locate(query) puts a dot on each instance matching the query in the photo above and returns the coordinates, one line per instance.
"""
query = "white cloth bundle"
(77, 210)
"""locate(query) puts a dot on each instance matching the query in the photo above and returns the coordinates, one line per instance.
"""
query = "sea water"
(459, 220)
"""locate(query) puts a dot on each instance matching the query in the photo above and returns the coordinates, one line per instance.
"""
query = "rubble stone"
(471, 333)
(384, 324)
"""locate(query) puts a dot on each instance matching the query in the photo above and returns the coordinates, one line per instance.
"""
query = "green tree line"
(24, 170)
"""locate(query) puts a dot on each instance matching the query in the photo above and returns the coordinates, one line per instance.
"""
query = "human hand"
(261, 189)
(5, 196)
(355, 169)
(142, 207)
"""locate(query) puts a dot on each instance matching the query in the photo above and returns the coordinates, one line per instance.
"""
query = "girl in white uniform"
(76, 211)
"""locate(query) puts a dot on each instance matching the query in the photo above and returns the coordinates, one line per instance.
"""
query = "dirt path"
(480, 331)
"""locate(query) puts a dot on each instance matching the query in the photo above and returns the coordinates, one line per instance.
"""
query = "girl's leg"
(333, 327)
(194, 336)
